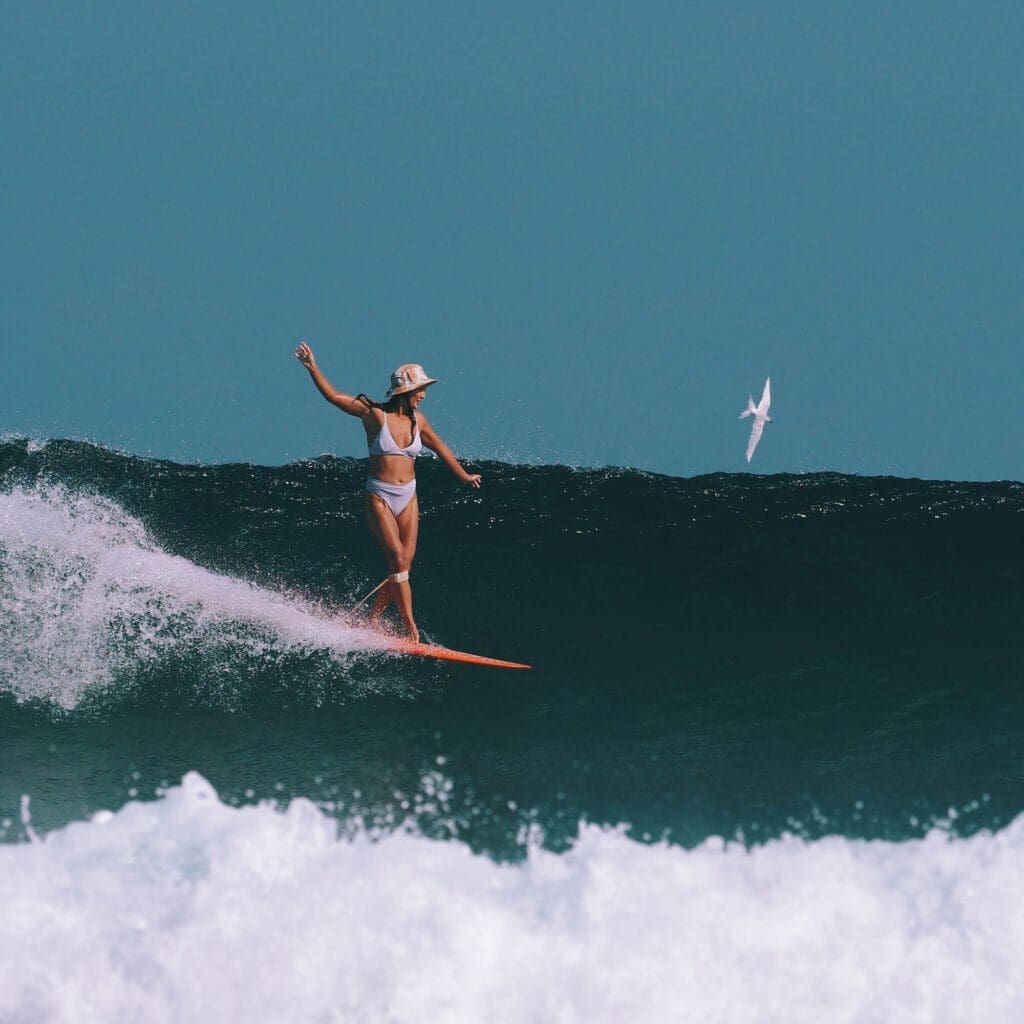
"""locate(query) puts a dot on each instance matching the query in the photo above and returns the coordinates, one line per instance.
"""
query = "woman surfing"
(396, 432)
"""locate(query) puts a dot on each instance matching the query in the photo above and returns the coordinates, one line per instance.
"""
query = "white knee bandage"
(401, 577)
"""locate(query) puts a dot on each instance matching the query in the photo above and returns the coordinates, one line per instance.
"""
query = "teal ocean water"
(769, 754)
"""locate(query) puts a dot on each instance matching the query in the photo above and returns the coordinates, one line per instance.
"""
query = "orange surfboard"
(444, 654)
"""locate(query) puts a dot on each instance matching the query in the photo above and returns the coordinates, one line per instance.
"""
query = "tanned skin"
(395, 535)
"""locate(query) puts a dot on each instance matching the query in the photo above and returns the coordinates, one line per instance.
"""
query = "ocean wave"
(716, 655)
(186, 908)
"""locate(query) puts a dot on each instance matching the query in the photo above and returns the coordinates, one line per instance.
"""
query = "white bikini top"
(384, 443)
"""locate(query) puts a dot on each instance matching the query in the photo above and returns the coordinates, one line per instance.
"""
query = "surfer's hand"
(304, 354)
(472, 480)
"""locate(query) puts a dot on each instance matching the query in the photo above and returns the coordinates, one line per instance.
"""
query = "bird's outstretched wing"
(755, 436)
(766, 397)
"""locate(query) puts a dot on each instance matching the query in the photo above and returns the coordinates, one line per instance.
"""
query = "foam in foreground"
(186, 909)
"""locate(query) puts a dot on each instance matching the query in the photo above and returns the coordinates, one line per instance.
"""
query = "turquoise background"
(600, 224)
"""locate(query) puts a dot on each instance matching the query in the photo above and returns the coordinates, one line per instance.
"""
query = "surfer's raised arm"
(444, 453)
(353, 405)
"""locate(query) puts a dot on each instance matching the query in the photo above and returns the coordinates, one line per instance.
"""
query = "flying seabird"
(760, 414)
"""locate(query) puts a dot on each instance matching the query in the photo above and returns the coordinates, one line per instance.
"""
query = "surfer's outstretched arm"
(444, 453)
(346, 403)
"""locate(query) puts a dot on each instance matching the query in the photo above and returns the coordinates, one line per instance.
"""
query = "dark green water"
(726, 655)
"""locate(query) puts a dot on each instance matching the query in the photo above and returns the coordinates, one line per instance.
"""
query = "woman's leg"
(396, 537)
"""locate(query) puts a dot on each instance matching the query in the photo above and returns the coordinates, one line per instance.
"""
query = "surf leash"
(398, 577)
(386, 579)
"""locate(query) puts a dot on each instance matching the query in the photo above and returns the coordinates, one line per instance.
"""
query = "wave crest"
(188, 909)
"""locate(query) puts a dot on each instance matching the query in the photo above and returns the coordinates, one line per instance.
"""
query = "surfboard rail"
(400, 646)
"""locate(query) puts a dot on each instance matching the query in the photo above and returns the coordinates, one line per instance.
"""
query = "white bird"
(760, 414)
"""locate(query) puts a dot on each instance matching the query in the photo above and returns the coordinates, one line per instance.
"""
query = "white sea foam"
(86, 592)
(186, 909)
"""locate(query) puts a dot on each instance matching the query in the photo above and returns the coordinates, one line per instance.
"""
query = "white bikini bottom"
(395, 496)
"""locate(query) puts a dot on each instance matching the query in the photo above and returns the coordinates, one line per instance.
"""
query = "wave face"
(727, 655)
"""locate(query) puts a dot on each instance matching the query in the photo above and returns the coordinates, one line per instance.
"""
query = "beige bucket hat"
(409, 377)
